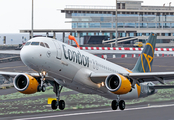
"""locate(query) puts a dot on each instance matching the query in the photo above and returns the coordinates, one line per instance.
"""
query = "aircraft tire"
(54, 104)
(43, 88)
(114, 105)
(39, 88)
(61, 104)
(122, 105)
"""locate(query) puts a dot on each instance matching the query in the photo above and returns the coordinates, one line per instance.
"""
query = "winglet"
(74, 39)
(144, 63)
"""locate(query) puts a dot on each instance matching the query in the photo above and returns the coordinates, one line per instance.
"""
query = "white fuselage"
(70, 66)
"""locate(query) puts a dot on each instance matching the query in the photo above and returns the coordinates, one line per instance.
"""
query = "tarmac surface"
(16, 66)
(144, 111)
(159, 111)
(17, 52)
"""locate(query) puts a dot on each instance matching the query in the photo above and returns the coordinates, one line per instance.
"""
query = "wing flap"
(152, 76)
(146, 77)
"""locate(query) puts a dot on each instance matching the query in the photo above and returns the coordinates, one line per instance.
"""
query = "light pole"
(32, 21)
(116, 25)
(170, 5)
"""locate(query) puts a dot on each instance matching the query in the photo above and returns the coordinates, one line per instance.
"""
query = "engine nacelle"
(118, 84)
(25, 84)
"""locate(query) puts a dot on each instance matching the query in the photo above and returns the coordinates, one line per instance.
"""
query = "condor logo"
(147, 58)
(75, 57)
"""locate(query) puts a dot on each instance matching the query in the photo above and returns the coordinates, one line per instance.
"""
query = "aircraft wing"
(12, 74)
(8, 75)
(152, 76)
(146, 77)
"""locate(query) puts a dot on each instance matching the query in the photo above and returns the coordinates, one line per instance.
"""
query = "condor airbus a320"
(62, 65)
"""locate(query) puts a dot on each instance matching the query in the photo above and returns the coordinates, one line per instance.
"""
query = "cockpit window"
(35, 43)
(47, 45)
(27, 43)
(42, 44)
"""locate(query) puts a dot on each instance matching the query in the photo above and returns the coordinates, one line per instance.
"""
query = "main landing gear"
(116, 103)
(58, 102)
(41, 87)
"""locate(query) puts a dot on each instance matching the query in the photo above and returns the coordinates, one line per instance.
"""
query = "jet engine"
(25, 84)
(118, 84)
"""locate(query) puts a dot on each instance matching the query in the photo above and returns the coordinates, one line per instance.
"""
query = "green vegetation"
(17, 95)
(16, 104)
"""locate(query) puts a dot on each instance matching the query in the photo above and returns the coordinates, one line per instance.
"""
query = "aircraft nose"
(25, 55)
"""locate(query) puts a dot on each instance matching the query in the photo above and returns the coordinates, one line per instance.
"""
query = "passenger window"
(35, 43)
(42, 44)
(47, 45)
(27, 43)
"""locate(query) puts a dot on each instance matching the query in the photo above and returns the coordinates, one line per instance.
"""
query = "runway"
(16, 66)
(17, 52)
(143, 111)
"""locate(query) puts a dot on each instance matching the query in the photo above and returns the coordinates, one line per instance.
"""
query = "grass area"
(17, 95)
(13, 104)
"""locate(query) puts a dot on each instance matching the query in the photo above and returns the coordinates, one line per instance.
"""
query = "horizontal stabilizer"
(162, 86)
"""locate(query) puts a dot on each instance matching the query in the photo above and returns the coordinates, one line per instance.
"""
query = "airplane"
(63, 65)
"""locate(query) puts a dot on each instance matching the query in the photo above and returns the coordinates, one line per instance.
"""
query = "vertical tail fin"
(144, 63)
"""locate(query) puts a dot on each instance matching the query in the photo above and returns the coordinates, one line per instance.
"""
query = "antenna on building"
(164, 5)
(116, 29)
(32, 20)
(170, 5)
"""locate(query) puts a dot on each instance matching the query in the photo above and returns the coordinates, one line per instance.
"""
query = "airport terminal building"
(134, 20)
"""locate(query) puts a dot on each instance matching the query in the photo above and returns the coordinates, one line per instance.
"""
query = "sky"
(15, 15)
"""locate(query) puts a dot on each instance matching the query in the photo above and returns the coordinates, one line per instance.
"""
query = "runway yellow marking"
(96, 112)
(50, 100)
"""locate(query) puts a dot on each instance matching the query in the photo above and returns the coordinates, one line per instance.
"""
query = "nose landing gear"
(42, 87)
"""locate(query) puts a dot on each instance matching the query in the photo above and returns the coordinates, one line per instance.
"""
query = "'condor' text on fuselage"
(75, 56)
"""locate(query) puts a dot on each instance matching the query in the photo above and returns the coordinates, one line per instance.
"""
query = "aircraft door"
(58, 49)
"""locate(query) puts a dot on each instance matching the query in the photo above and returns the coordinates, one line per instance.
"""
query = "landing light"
(102, 84)
(44, 73)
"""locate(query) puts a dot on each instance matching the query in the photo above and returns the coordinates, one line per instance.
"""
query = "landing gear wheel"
(43, 88)
(54, 104)
(57, 89)
(61, 105)
(114, 105)
(39, 88)
(122, 105)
